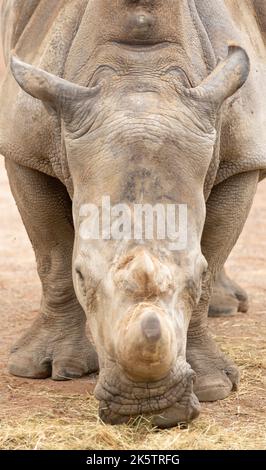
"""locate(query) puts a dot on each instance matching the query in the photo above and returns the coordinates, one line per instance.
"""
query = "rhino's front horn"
(146, 343)
(151, 327)
(55, 91)
(229, 75)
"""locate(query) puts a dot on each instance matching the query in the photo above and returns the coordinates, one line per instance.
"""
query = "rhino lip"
(121, 399)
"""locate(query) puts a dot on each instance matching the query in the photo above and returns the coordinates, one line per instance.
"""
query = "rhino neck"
(140, 25)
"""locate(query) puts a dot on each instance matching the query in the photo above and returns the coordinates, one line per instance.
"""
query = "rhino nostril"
(151, 327)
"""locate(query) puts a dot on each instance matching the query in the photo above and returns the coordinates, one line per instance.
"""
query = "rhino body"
(146, 101)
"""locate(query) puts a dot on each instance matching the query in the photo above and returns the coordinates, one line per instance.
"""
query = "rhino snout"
(146, 345)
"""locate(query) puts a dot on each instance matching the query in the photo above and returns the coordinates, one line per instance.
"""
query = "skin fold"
(146, 101)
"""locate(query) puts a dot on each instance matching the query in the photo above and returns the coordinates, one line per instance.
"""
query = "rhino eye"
(80, 275)
(81, 281)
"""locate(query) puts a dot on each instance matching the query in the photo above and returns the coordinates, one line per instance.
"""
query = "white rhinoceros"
(144, 102)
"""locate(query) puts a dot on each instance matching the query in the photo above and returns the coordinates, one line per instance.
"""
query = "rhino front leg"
(227, 211)
(56, 344)
(227, 297)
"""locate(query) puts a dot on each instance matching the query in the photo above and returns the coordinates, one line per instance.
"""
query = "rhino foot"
(228, 297)
(216, 375)
(44, 352)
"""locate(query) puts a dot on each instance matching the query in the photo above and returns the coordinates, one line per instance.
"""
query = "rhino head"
(139, 134)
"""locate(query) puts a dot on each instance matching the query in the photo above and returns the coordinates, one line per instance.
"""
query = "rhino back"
(15, 16)
(39, 32)
(67, 38)
(243, 137)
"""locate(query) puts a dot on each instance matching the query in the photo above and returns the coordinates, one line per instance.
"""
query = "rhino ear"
(52, 90)
(229, 75)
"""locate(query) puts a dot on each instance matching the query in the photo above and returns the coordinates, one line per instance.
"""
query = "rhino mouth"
(167, 402)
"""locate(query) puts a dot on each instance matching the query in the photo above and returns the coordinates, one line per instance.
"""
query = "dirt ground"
(43, 414)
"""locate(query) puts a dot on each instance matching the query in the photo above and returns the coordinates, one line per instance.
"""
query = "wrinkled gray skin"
(141, 112)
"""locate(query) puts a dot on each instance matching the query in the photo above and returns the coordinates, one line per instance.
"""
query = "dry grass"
(80, 428)
(71, 422)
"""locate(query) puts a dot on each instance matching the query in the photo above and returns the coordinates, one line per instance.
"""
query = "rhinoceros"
(145, 102)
